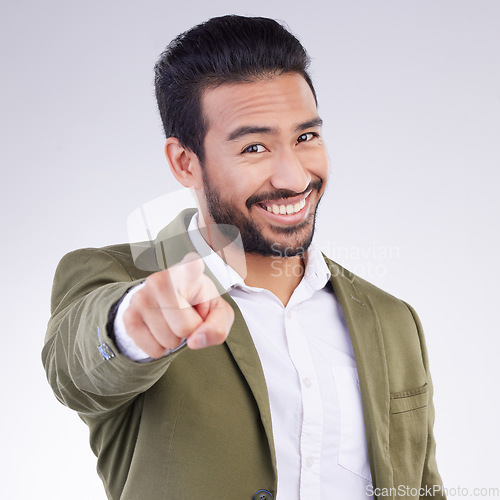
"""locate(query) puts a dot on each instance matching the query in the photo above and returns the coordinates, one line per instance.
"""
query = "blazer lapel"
(367, 343)
(171, 245)
(243, 350)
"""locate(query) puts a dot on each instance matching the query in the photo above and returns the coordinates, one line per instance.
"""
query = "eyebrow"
(315, 122)
(255, 129)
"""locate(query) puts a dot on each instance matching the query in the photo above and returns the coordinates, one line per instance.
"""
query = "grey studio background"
(410, 94)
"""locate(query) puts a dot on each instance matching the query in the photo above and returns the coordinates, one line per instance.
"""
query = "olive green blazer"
(197, 424)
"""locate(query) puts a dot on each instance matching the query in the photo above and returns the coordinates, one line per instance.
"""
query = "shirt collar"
(223, 273)
(316, 273)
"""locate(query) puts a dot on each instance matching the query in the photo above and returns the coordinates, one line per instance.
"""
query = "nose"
(289, 172)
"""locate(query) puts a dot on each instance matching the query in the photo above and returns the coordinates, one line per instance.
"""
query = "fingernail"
(198, 340)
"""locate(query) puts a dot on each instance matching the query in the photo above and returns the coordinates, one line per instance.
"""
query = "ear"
(184, 164)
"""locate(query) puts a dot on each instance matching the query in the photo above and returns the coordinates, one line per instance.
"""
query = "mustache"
(281, 194)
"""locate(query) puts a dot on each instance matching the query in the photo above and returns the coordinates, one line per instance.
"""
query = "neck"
(279, 275)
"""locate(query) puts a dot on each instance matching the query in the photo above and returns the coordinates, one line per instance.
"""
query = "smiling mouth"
(284, 209)
(289, 206)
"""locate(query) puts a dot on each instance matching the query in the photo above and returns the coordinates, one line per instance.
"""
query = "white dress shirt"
(309, 367)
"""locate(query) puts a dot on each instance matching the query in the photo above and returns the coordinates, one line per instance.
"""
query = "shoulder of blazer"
(387, 306)
(394, 321)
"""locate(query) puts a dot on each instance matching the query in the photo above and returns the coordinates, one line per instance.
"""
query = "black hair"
(221, 50)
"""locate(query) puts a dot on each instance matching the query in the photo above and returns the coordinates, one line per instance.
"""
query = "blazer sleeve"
(87, 284)
(431, 480)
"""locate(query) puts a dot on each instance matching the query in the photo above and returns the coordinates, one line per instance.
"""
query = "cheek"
(317, 163)
(244, 182)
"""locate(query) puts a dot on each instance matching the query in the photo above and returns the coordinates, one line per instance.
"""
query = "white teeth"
(286, 209)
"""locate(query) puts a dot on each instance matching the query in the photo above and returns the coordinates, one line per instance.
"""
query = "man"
(283, 376)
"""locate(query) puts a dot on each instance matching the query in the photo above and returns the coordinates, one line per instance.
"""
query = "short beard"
(251, 237)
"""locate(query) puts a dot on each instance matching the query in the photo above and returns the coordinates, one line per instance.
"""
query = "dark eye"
(254, 148)
(307, 137)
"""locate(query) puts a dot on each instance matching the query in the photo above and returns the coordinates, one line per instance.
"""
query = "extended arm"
(85, 368)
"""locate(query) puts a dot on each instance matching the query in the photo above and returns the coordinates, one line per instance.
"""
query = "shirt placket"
(312, 408)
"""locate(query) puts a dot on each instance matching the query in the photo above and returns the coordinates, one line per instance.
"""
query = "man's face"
(266, 165)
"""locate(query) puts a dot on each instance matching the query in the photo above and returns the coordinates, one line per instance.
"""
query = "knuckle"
(156, 351)
(184, 330)
(131, 319)
(152, 279)
(139, 301)
(153, 283)
(158, 282)
(165, 337)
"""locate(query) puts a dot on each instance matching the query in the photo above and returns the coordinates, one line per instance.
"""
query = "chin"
(283, 242)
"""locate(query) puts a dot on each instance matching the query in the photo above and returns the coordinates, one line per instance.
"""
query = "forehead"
(279, 102)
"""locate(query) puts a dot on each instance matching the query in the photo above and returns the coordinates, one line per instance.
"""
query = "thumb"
(216, 326)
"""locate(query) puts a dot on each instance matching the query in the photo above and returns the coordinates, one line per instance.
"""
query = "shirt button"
(309, 462)
(307, 383)
(263, 495)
